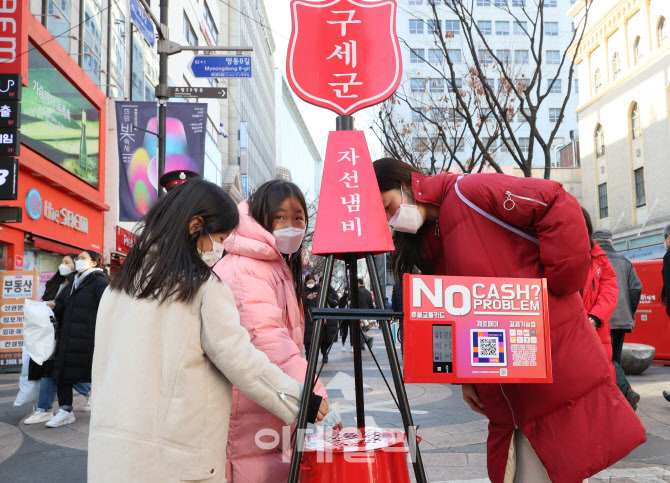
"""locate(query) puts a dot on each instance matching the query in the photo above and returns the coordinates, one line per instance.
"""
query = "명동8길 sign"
(473, 329)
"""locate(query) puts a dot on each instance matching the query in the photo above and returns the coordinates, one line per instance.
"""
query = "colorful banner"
(472, 329)
(138, 151)
(16, 288)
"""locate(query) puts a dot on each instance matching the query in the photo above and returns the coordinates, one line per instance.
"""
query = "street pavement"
(453, 443)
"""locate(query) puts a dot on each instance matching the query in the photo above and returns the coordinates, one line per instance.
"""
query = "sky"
(319, 120)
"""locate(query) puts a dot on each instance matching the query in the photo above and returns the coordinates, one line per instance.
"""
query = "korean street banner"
(475, 329)
(138, 150)
(17, 286)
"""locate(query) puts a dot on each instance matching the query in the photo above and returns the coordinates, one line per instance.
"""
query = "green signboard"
(58, 122)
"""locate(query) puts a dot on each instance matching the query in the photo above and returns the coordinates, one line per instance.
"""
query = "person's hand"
(311, 296)
(471, 397)
(51, 305)
(338, 427)
(593, 322)
(323, 409)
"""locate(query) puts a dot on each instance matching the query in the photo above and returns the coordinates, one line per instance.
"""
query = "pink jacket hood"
(250, 239)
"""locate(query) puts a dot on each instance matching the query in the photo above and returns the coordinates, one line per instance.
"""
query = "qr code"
(488, 347)
(503, 372)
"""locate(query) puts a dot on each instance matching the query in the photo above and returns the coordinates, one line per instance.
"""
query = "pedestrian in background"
(493, 225)
(170, 347)
(600, 293)
(345, 325)
(77, 313)
(55, 290)
(310, 300)
(263, 268)
(397, 306)
(665, 295)
(364, 302)
(623, 318)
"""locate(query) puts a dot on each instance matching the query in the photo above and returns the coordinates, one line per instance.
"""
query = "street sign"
(221, 66)
(9, 175)
(344, 55)
(196, 92)
(10, 87)
(142, 21)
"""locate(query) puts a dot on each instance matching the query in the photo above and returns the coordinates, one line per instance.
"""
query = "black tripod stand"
(384, 317)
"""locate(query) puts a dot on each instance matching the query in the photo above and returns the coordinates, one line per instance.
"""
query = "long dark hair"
(589, 225)
(54, 283)
(392, 175)
(264, 204)
(164, 261)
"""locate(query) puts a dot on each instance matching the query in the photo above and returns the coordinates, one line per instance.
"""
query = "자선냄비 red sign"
(344, 55)
(476, 329)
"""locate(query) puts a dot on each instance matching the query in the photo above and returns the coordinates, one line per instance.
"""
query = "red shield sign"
(344, 55)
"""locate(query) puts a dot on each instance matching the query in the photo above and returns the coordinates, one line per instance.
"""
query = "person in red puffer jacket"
(601, 292)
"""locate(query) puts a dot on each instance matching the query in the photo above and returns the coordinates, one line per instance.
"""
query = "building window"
(521, 57)
(417, 117)
(524, 144)
(600, 142)
(636, 128)
(483, 3)
(520, 114)
(92, 58)
(455, 116)
(500, 3)
(415, 26)
(457, 148)
(520, 28)
(453, 26)
(418, 144)
(662, 32)
(502, 28)
(553, 57)
(189, 33)
(504, 56)
(640, 194)
(118, 59)
(454, 56)
(57, 26)
(637, 51)
(418, 85)
(416, 56)
(550, 3)
(616, 66)
(485, 57)
(554, 114)
(433, 26)
(597, 81)
(576, 86)
(211, 24)
(554, 86)
(435, 56)
(415, 2)
(459, 85)
(521, 3)
(436, 85)
(551, 29)
(602, 200)
(484, 27)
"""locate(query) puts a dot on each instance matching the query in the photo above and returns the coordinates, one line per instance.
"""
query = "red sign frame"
(348, 57)
(439, 307)
(14, 15)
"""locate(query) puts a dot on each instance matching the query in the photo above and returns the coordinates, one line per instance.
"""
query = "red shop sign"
(14, 37)
(344, 55)
(124, 240)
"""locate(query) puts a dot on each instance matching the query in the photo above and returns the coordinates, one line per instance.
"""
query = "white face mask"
(407, 218)
(289, 240)
(64, 270)
(82, 265)
(309, 285)
(214, 255)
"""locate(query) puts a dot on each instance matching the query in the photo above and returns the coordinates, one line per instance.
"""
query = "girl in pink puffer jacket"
(263, 268)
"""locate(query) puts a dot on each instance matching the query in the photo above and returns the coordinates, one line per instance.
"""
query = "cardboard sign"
(344, 55)
(350, 217)
(473, 329)
(16, 288)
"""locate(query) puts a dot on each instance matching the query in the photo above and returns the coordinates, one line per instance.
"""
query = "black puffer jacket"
(77, 313)
(331, 325)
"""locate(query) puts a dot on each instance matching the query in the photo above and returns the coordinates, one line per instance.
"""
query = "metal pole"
(394, 364)
(162, 95)
(344, 123)
(352, 261)
(309, 375)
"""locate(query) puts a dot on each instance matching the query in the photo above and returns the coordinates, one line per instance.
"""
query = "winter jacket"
(263, 288)
(330, 333)
(365, 299)
(600, 297)
(666, 282)
(569, 422)
(630, 289)
(76, 314)
(396, 298)
(163, 378)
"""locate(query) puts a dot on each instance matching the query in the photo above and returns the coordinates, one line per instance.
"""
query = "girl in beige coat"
(169, 347)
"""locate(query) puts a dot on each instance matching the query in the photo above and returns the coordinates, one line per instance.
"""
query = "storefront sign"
(9, 178)
(10, 87)
(16, 288)
(473, 329)
(344, 55)
(10, 114)
(124, 240)
(14, 37)
(34, 204)
(65, 217)
(18, 261)
(10, 142)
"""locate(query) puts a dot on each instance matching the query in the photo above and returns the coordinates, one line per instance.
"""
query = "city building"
(505, 36)
(624, 121)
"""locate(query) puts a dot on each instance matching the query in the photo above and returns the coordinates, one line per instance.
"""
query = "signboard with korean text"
(14, 40)
(475, 329)
(142, 21)
(344, 55)
(221, 66)
(350, 216)
(138, 150)
(9, 178)
(16, 288)
(10, 114)
(10, 87)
